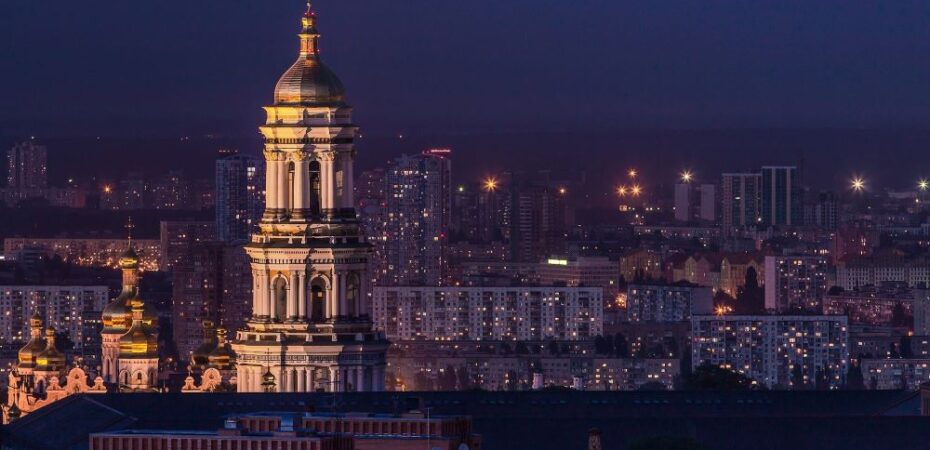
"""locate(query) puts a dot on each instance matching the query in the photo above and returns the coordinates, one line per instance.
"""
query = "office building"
(695, 202)
(27, 166)
(740, 195)
(240, 197)
(60, 307)
(781, 196)
(582, 271)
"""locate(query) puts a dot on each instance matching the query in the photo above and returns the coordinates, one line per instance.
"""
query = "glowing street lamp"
(636, 190)
(622, 191)
(923, 184)
(490, 184)
(562, 191)
(858, 184)
(632, 173)
(687, 176)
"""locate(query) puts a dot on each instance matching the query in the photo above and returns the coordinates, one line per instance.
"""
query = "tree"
(854, 378)
(553, 348)
(621, 346)
(899, 317)
(708, 377)
(750, 298)
(906, 351)
(600, 345)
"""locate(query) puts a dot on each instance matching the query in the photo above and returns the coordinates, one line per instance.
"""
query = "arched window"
(352, 295)
(318, 300)
(280, 298)
(314, 188)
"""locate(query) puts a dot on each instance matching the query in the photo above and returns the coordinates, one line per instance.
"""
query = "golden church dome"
(129, 259)
(50, 359)
(28, 354)
(141, 341)
(308, 81)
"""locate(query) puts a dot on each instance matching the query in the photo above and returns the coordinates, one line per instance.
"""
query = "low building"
(581, 272)
(775, 351)
(488, 313)
(897, 373)
(891, 304)
(307, 431)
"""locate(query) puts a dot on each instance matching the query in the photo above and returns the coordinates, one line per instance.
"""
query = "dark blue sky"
(452, 68)
(452, 65)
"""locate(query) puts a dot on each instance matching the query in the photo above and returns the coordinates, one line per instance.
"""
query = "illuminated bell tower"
(310, 327)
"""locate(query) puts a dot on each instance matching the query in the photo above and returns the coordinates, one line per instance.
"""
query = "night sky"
(496, 78)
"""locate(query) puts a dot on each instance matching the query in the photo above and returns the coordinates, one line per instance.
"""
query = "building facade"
(240, 183)
(309, 328)
(667, 302)
(776, 351)
(27, 166)
(740, 195)
(794, 283)
(488, 313)
(61, 307)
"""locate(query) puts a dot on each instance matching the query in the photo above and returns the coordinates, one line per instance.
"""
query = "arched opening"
(125, 378)
(352, 295)
(318, 300)
(314, 188)
(280, 298)
(291, 201)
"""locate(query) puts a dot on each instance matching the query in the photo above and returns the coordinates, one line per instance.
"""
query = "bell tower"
(310, 327)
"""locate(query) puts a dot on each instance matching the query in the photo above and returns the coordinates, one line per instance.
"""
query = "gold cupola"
(141, 341)
(28, 354)
(309, 82)
(222, 357)
(201, 356)
(50, 359)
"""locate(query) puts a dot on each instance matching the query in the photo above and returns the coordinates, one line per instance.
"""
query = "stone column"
(272, 301)
(284, 195)
(334, 380)
(335, 297)
(271, 186)
(327, 182)
(292, 299)
(360, 379)
(343, 301)
(301, 287)
(301, 183)
(348, 182)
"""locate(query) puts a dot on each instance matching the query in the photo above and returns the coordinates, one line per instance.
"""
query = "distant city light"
(490, 184)
(632, 173)
(686, 176)
(107, 189)
(562, 191)
(858, 184)
(636, 190)
(622, 191)
(923, 184)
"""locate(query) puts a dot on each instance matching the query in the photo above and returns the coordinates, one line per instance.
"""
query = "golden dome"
(50, 359)
(28, 354)
(201, 356)
(222, 357)
(141, 341)
(309, 81)
(117, 317)
(129, 259)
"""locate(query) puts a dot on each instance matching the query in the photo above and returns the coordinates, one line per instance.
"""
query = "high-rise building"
(27, 166)
(416, 219)
(537, 219)
(821, 211)
(740, 200)
(695, 202)
(197, 289)
(309, 328)
(240, 181)
(176, 236)
(781, 196)
(61, 307)
(171, 191)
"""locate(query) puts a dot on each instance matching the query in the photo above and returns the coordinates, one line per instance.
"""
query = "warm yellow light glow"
(636, 190)
(923, 184)
(858, 184)
(107, 189)
(490, 184)
(562, 191)
(632, 173)
(622, 191)
(686, 176)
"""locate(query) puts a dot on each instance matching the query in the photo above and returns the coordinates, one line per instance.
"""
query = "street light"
(686, 176)
(857, 184)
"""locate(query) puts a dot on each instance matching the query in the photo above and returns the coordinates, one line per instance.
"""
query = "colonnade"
(343, 296)
(289, 187)
(311, 378)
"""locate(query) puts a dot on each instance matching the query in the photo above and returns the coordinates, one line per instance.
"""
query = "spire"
(129, 226)
(309, 36)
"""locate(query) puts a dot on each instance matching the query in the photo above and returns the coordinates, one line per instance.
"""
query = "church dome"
(28, 354)
(50, 359)
(222, 357)
(129, 259)
(201, 356)
(141, 341)
(308, 81)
